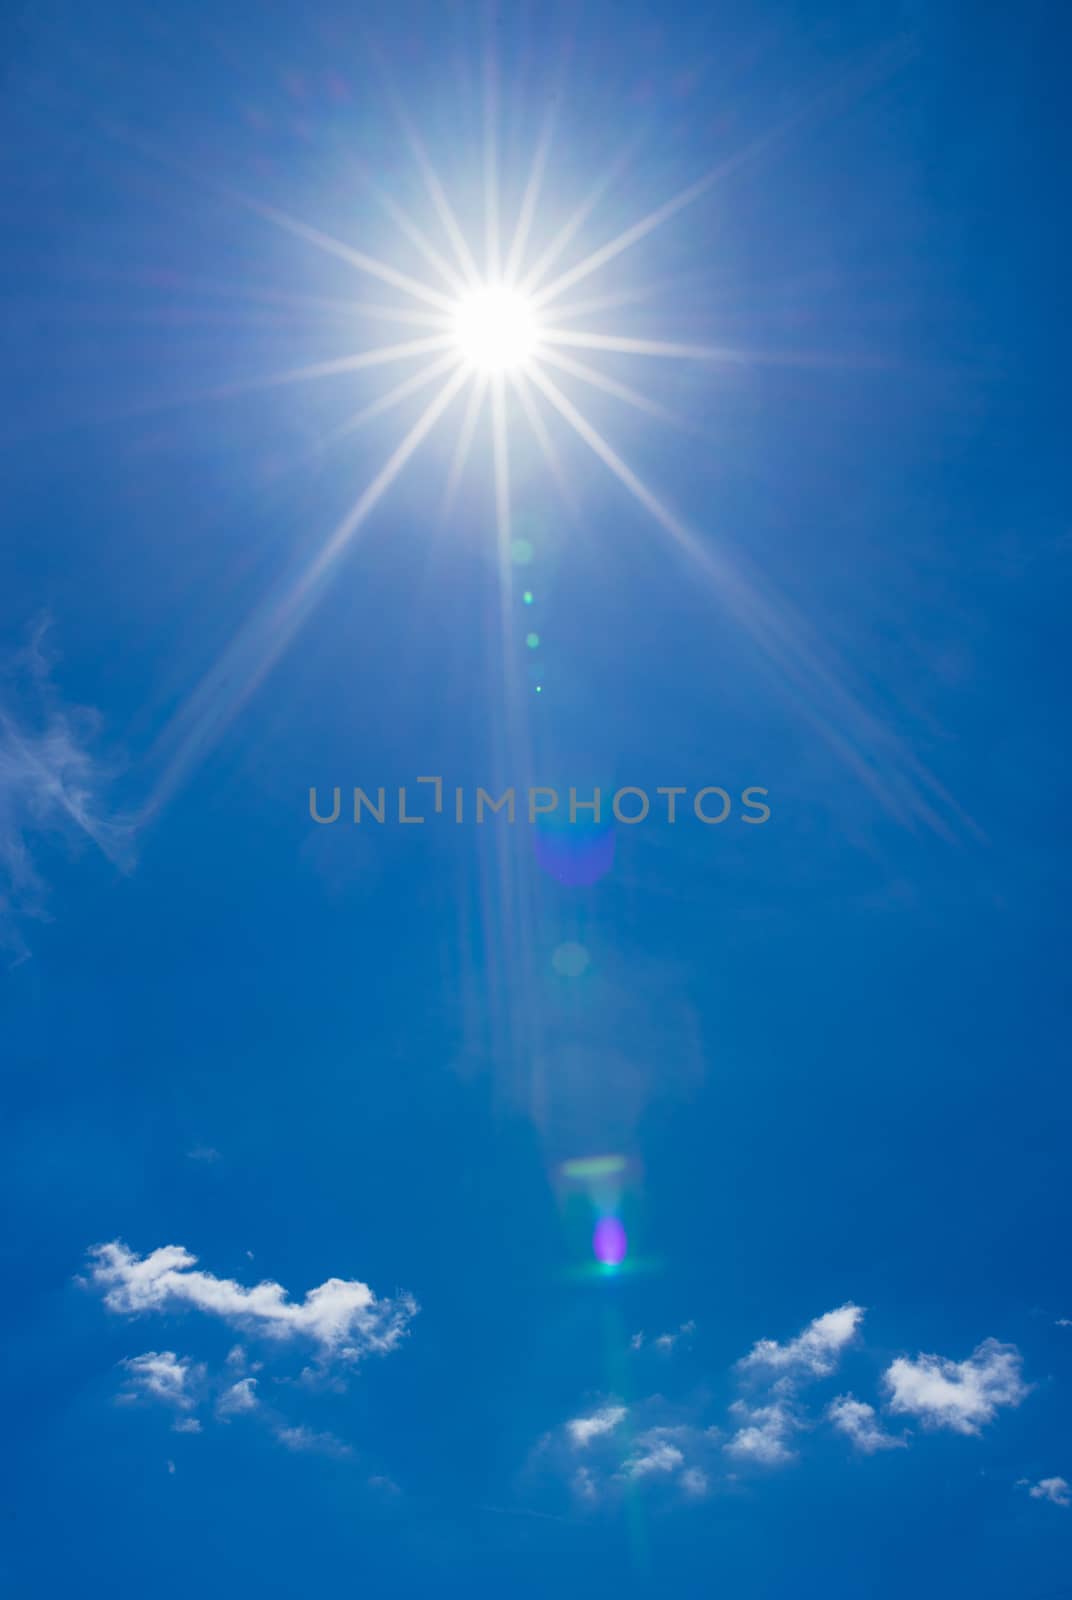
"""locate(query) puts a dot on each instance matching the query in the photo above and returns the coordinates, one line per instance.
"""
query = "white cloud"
(186, 1425)
(1056, 1490)
(582, 1430)
(655, 1451)
(813, 1353)
(663, 1342)
(165, 1376)
(763, 1436)
(657, 1458)
(860, 1422)
(960, 1395)
(1063, 1322)
(238, 1398)
(648, 1443)
(342, 1316)
(584, 1484)
(305, 1439)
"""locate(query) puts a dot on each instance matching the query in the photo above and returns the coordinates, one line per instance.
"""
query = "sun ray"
(884, 61)
(611, 302)
(227, 686)
(620, 391)
(491, 165)
(333, 246)
(465, 440)
(333, 305)
(392, 398)
(382, 356)
(509, 709)
(522, 389)
(630, 236)
(871, 749)
(406, 226)
(544, 262)
(436, 193)
(501, 463)
(642, 347)
(530, 196)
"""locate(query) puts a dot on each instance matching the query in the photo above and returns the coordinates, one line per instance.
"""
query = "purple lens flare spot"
(609, 1242)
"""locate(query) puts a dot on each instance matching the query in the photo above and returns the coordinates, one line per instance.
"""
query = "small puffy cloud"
(163, 1375)
(1057, 1490)
(860, 1423)
(763, 1434)
(960, 1395)
(655, 1451)
(342, 1316)
(186, 1425)
(636, 1341)
(583, 1484)
(582, 1430)
(814, 1353)
(1063, 1322)
(648, 1443)
(666, 1341)
(238, 1398)
(206, 1153)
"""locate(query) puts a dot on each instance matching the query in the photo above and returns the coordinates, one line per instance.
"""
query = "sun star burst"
(499, 328)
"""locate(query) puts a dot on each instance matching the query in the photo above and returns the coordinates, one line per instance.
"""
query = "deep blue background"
(843, 1032)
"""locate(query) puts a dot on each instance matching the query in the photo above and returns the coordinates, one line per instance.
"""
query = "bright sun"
(496, 329)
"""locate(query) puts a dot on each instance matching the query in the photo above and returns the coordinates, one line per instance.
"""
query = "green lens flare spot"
(532, 640)
(527, 597)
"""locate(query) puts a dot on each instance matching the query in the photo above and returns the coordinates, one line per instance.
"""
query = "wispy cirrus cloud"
(309, 1441)
(53, 786)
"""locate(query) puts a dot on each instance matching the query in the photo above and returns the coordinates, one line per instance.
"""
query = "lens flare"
(609, 1243)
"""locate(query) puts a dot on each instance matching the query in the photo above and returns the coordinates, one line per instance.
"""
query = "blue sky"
(309, 1126)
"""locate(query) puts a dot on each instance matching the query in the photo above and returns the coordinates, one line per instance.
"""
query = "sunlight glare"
(496, 329)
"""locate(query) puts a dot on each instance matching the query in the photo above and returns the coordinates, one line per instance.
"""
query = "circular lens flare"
(495, 329)
(609, 1243)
